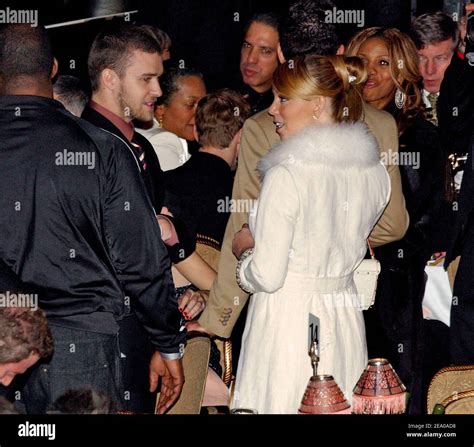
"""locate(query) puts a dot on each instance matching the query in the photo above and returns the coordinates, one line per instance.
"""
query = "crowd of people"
(151, 209)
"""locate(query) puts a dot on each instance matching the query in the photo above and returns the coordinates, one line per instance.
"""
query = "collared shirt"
(77, 225)
(127, 129)
(426, 101)
(152, 176)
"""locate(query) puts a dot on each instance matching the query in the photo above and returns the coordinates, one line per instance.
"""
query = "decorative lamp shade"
(323, 396)
(379, 390)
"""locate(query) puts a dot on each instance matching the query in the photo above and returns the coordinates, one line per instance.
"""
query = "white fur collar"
(338, 145)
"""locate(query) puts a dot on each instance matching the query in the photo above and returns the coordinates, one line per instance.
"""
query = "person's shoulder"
(262, 118)
(101, 137)
(160, 135)
(378, 118)
(261, 124)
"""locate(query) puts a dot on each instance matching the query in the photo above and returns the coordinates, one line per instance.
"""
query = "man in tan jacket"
(226, 299)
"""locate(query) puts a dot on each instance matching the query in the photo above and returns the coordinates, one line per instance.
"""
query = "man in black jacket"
(124, 66)
(77, 225)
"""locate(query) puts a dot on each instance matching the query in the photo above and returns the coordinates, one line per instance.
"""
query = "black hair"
(169, 81)
(304, 30)
(25, 50)
(266, 18)
(70, 92)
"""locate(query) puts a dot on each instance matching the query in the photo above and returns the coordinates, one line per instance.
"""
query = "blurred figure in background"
(68, 90)
(163, 39)
(259, 58)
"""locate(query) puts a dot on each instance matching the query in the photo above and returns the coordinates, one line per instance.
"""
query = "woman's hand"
(243, 240)
(165, 226)
(192, 303)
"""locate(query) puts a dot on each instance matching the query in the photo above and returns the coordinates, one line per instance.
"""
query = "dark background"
(206, 34)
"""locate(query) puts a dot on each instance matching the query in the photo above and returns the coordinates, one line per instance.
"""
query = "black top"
(421, 169)
(153, 175)
(456, 106)
(200, 191)
(257, 101)
(77, 224)
(10, 282)
(153, 180)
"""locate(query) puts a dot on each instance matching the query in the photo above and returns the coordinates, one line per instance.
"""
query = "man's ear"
(195, 132)
(109, 78)
(54, 70)
(239, 136)
(340, 51)
(281, 56)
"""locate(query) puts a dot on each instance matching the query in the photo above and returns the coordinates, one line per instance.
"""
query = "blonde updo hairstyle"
(307, 77)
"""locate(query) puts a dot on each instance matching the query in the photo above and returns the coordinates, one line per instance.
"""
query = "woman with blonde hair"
(323, 190)
(395, 324)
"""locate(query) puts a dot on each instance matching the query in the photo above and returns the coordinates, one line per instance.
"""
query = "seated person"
(69, 91)
(199, 193)
(203, 185)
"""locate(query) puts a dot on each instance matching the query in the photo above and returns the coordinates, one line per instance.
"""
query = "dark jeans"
(81, 360)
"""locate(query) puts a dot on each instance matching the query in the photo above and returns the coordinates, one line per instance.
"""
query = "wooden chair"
(451, 391)
(209, 249)
(195, 365)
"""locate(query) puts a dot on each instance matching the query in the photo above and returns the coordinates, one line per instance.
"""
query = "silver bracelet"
(242, 258)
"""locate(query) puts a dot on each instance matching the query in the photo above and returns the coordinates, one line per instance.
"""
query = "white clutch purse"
(365, 278)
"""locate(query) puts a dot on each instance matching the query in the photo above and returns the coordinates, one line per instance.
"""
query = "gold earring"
(315, 117)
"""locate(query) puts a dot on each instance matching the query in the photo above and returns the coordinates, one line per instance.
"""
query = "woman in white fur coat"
(324, 188)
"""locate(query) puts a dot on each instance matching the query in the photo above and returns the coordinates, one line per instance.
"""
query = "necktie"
(139, 153)
(433, 114)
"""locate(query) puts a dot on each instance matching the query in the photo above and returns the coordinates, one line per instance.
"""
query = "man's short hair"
(432, 28)
(304, 30)
(219, 117)
(24, 51)
(266, 18)
(23, 331)
(113, 47)
(69, 92)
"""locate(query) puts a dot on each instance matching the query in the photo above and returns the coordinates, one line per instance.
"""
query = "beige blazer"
(226, 299)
